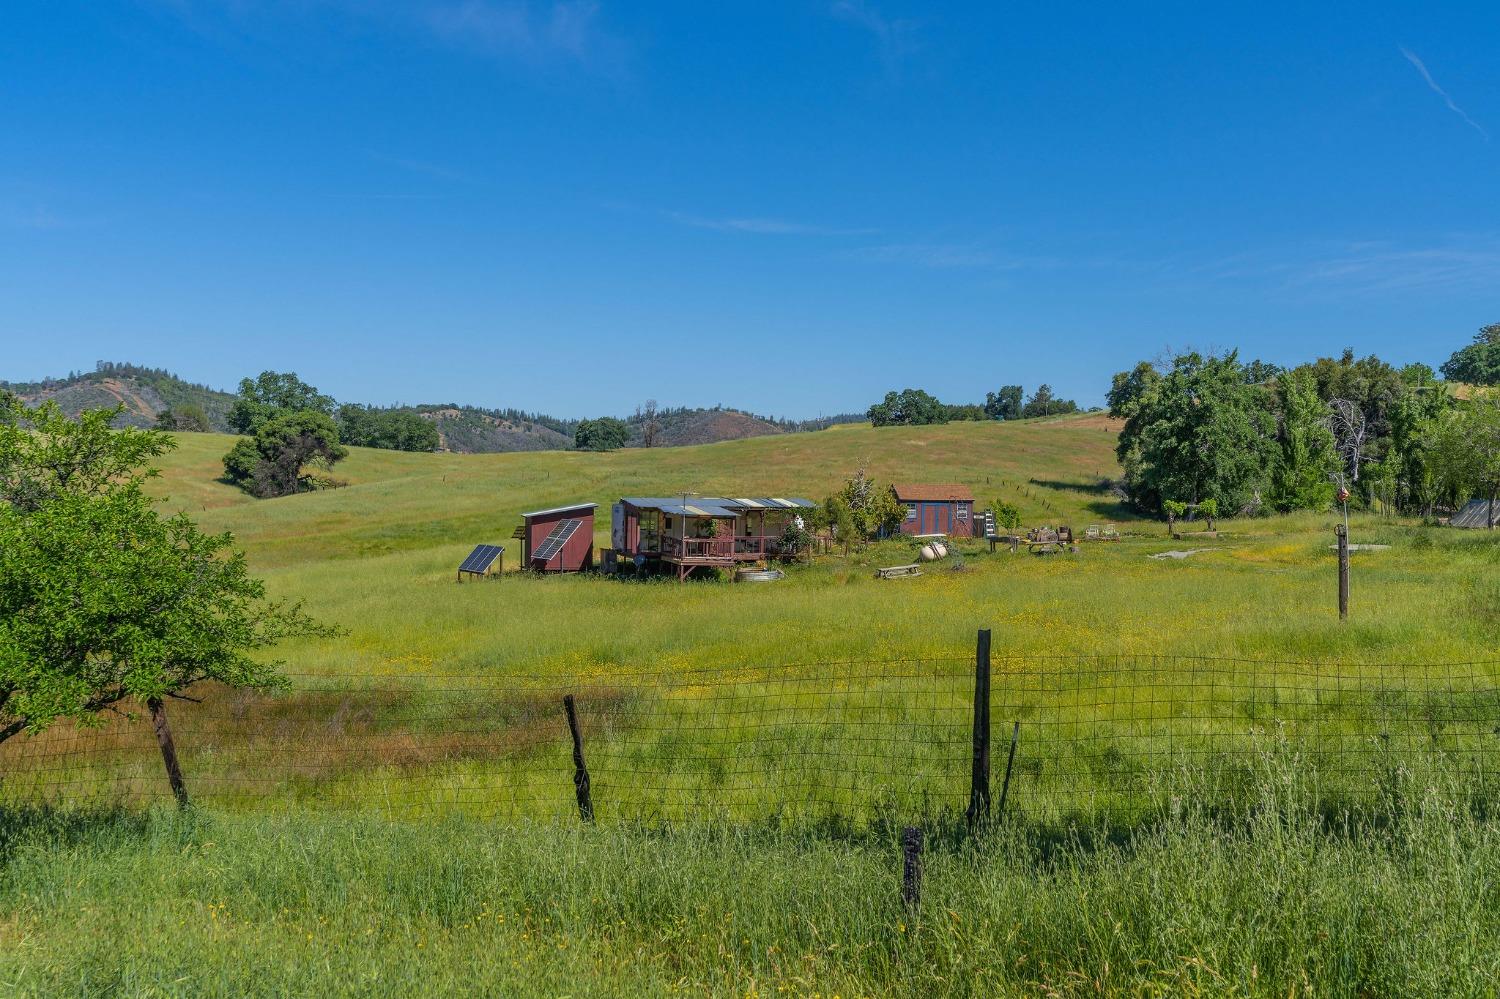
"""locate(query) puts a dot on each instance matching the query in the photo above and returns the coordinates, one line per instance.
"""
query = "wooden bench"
(897, 571)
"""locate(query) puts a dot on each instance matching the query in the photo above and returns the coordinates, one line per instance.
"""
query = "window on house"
(667, 523)
(963, 512)
(911, 511)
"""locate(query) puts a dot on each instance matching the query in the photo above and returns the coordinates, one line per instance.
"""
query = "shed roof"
(714, 506)
(561, 509)
(935, 492)
(1475, 514)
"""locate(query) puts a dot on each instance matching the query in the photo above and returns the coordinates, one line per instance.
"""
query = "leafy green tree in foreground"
(271, 394)
(603, 434)
(1479, 362)
(274, 462)
(102, 599)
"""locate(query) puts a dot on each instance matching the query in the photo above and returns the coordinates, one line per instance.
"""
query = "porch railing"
(741, 547)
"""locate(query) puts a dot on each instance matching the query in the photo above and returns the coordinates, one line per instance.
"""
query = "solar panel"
(481, 558)
(554, 542)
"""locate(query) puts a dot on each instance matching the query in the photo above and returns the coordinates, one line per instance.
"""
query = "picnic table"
(1049, 540)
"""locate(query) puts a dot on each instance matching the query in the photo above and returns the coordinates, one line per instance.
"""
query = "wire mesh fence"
(812, 740)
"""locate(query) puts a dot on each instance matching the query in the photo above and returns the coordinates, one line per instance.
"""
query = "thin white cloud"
(943, 256)
(423, 167)
(764, 226)
(893, 36)
(1411, 57)
(561, 31)
(1366, 268)
(532, 32)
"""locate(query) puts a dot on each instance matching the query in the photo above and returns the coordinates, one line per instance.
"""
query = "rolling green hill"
(318, 880)
(379, 555)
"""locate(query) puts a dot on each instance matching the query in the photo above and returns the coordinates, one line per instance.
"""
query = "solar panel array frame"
(553, 543)
(481, 558)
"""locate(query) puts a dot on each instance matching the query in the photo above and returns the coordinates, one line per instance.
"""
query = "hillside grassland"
(1270, 885)
(378, 558)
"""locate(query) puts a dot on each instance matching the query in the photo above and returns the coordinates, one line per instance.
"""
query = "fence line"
(1092, 734)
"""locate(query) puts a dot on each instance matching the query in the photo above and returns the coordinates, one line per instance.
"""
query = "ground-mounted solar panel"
(553, 543)
(481, 558)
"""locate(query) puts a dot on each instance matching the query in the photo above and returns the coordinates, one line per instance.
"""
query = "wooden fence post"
(1010, 763)
(168, 749)
(979, 777)
(911, 867)
(580, 770)
(1343, 538)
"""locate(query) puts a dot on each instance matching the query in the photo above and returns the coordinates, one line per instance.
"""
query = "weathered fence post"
(1343, 536)
(1010, 762)
(580, 770)
(168, 750)
(979, 777)
(911, 867)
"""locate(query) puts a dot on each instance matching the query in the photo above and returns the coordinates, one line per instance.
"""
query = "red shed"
(936, 508)
(560, 539)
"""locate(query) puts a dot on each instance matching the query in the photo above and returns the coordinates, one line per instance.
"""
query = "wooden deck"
(721, 553)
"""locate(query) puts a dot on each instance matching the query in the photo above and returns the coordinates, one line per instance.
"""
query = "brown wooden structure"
(683, 533)
(936, 508)
(560, 539)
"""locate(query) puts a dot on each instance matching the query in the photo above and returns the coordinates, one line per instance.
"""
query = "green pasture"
(1220, 789)
(828, 692)
(1272, 898)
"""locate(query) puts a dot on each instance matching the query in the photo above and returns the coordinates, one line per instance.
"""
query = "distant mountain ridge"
(146, 392)
(143, 391)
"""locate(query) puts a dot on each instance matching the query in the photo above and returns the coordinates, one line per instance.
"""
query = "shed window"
(911, 511)
(666, 523)
(963, 511)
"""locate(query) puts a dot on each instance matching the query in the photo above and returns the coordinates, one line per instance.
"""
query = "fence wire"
(852, 739)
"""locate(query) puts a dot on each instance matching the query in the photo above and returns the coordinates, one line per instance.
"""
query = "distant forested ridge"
(155, 397)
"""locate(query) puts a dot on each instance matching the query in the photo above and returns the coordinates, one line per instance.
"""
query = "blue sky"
(789, 207)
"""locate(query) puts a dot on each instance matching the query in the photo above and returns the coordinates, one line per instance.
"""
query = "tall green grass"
(1275, 896)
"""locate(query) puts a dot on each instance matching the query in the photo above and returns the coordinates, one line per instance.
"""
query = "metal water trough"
(758, 575)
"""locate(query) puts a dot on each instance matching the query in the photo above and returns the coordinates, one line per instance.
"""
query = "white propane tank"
(940, 548)
(927, 553)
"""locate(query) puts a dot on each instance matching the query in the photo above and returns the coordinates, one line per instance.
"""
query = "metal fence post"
(1010, 763)
(911, 867)
(979, 777)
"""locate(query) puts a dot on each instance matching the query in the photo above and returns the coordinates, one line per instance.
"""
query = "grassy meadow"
(401, 820)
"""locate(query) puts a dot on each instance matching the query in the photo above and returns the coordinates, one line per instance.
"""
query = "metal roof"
(715, 506)
(932, 492)
(1475, 514)
(561, 509)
